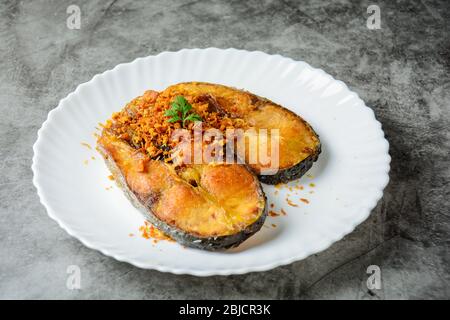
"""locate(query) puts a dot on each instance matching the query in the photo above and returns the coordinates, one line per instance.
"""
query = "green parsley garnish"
(180, 111)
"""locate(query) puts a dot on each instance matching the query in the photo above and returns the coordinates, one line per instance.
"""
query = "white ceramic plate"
(349, 176)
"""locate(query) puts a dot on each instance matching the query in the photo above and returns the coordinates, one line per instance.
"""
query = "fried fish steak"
(208, 206)
(299, 146)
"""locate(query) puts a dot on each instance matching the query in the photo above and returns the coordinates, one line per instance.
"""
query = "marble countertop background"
(402, 71)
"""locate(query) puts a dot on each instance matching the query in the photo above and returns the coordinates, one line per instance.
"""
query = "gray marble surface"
(402, 71)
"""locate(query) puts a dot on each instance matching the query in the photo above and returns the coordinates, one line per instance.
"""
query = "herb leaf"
(174, 119)
(193, 117)
(181, 111)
